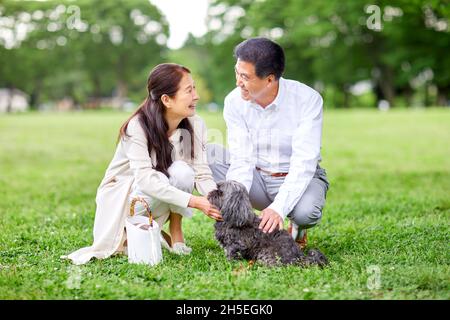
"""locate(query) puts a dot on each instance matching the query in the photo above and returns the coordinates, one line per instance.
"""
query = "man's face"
(252, 87)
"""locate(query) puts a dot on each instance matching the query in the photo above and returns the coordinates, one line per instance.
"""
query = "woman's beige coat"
(132, 164)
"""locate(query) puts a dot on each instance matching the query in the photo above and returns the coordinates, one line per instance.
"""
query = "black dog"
(241, 238)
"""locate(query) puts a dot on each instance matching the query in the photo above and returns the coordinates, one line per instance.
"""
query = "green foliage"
(387, 207)
(329, 44)
(83, 49)
(107, 48)
(193, 58)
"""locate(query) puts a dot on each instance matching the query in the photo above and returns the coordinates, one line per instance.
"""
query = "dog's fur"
(240, 236)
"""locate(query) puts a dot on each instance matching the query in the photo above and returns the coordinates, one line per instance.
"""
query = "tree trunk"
(346, 97)
(10, 97)
(122, 89)
(386, 83)
(443, 95)
(408, 94)
(95, 102)
(378, 93)
(427, 101)
(36, 94)
(76, 101)
(122, 86)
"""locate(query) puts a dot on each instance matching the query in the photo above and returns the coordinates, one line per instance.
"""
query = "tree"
(91, 48)
(332, 45)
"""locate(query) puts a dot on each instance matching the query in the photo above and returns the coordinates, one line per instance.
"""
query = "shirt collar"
(276, 102)
(175, 137)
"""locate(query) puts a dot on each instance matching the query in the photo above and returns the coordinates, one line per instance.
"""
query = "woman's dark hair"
(266, 55)
(163, 79)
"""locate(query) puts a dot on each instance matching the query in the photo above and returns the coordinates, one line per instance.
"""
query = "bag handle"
(133, 203)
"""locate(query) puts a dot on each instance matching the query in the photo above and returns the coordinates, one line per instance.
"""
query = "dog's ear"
(215, 198)
(236, 209)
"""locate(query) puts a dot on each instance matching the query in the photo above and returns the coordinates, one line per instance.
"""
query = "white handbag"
(143, 236)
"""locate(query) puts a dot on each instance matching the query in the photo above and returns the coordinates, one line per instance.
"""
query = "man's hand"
(270, 220)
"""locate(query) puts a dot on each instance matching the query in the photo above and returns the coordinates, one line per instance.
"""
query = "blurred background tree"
(357, 54)
(332, 46)
(84, 50)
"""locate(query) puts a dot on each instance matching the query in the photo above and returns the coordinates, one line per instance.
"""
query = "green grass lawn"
(385, 227)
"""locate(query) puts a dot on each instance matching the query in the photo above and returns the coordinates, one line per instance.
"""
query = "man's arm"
(240, 146)
(306, 143)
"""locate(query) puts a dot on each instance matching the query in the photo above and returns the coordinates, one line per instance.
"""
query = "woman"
(160, 157)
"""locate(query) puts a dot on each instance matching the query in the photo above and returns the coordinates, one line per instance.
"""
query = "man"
(274, 129)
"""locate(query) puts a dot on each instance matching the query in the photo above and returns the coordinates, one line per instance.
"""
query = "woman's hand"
(202, 204)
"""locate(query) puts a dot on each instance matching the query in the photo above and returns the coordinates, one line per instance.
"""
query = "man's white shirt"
(283, 137)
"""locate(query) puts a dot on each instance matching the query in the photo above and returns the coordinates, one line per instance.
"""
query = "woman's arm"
(155, 183)
(148, 180)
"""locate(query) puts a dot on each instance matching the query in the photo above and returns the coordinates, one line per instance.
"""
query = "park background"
(71, 72)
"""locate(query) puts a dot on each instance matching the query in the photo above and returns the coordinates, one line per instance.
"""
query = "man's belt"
(273, 174)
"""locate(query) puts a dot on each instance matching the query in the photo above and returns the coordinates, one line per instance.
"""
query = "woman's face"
(184, 103)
